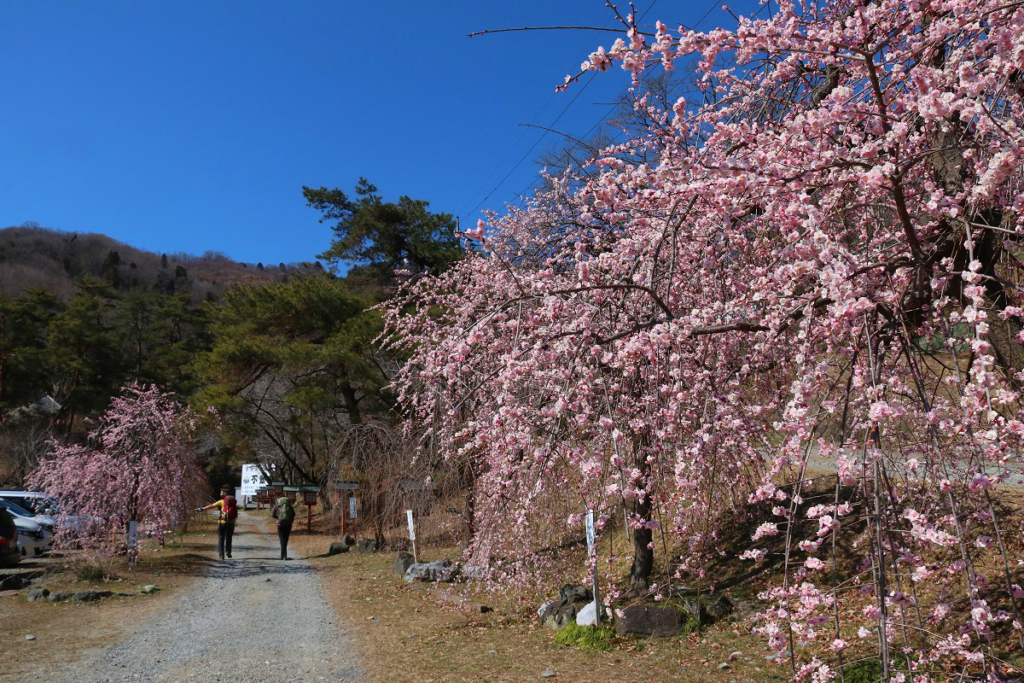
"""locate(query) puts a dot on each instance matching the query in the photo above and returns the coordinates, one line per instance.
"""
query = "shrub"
(599, 638)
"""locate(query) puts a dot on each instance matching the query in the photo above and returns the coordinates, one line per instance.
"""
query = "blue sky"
(190, 126)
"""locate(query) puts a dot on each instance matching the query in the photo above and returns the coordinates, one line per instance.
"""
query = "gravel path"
(251, 618)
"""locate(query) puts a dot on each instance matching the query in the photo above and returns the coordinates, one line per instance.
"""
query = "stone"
(402, 563)
(563, 615)
(733, 656)
(337, 548)
(59, 596)
(438, 570)
(643, 620)
(365, 545)
(698, 610)
(36, 594)
(588, 615)
(571, 599)
(30, 637)
(90, 596)
(723, 666)
(548, 673)
(471, 572)
(348, 539)
(13, 583)
(575, 593)
(150, 588)
(720, 608)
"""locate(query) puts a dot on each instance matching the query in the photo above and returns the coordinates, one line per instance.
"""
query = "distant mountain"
(52, 260)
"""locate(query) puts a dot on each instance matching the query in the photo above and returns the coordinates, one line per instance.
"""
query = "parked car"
(10, 553)
(34, 501)
(39, 503)
(49, 524)
(32, 538)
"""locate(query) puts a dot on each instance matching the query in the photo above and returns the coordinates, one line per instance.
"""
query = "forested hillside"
(83, 314)
(52, 260)
(283, 355)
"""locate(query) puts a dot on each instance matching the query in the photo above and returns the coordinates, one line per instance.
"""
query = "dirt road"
(251, 618)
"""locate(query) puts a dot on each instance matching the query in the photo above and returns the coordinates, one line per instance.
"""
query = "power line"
(498, 165)
(533, 147)
(711, 8)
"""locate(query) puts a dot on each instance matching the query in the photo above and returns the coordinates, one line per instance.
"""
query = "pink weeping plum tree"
(813, 266)
(140, 465)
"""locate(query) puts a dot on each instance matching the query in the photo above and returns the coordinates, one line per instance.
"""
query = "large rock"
(588, 615)
(402, 563)
(571, 598)
(59, 596)
(561, 616)
(337, 547)
(643, 620)
(365, 545)
(720, 608)
(698, 609)
(90, 596)
(348, 539)
(13, 583)
(439, 570)
(36, 594)
(575, 593)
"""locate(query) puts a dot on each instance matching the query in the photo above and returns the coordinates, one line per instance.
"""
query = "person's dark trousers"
(284, 530)
(224, 534)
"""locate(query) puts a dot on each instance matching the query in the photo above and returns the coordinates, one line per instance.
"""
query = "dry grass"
(68, 631)
(417, 630)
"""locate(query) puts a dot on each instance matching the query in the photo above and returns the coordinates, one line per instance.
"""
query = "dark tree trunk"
(643, 550)
(348, 394)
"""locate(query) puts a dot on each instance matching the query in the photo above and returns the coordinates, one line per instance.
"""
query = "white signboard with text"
(412, 526)
(252, 480)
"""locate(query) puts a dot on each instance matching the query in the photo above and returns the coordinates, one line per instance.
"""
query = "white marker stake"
(353, 511)
(592, 553)
(412, 536)
(133, 541)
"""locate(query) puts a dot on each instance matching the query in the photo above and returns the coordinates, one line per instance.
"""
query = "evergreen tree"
(374, 238)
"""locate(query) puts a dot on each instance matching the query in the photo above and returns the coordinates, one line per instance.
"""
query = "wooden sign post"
(412, 536)
(341, 488)
(592, 554)
(133, 542)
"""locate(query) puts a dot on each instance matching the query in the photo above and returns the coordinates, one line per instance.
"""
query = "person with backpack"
(228, 507)
(284, 513)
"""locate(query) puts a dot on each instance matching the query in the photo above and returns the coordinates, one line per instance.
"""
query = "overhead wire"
(603, 118)
(533, 147)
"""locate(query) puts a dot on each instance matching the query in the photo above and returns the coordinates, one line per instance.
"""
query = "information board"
(252, 480)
